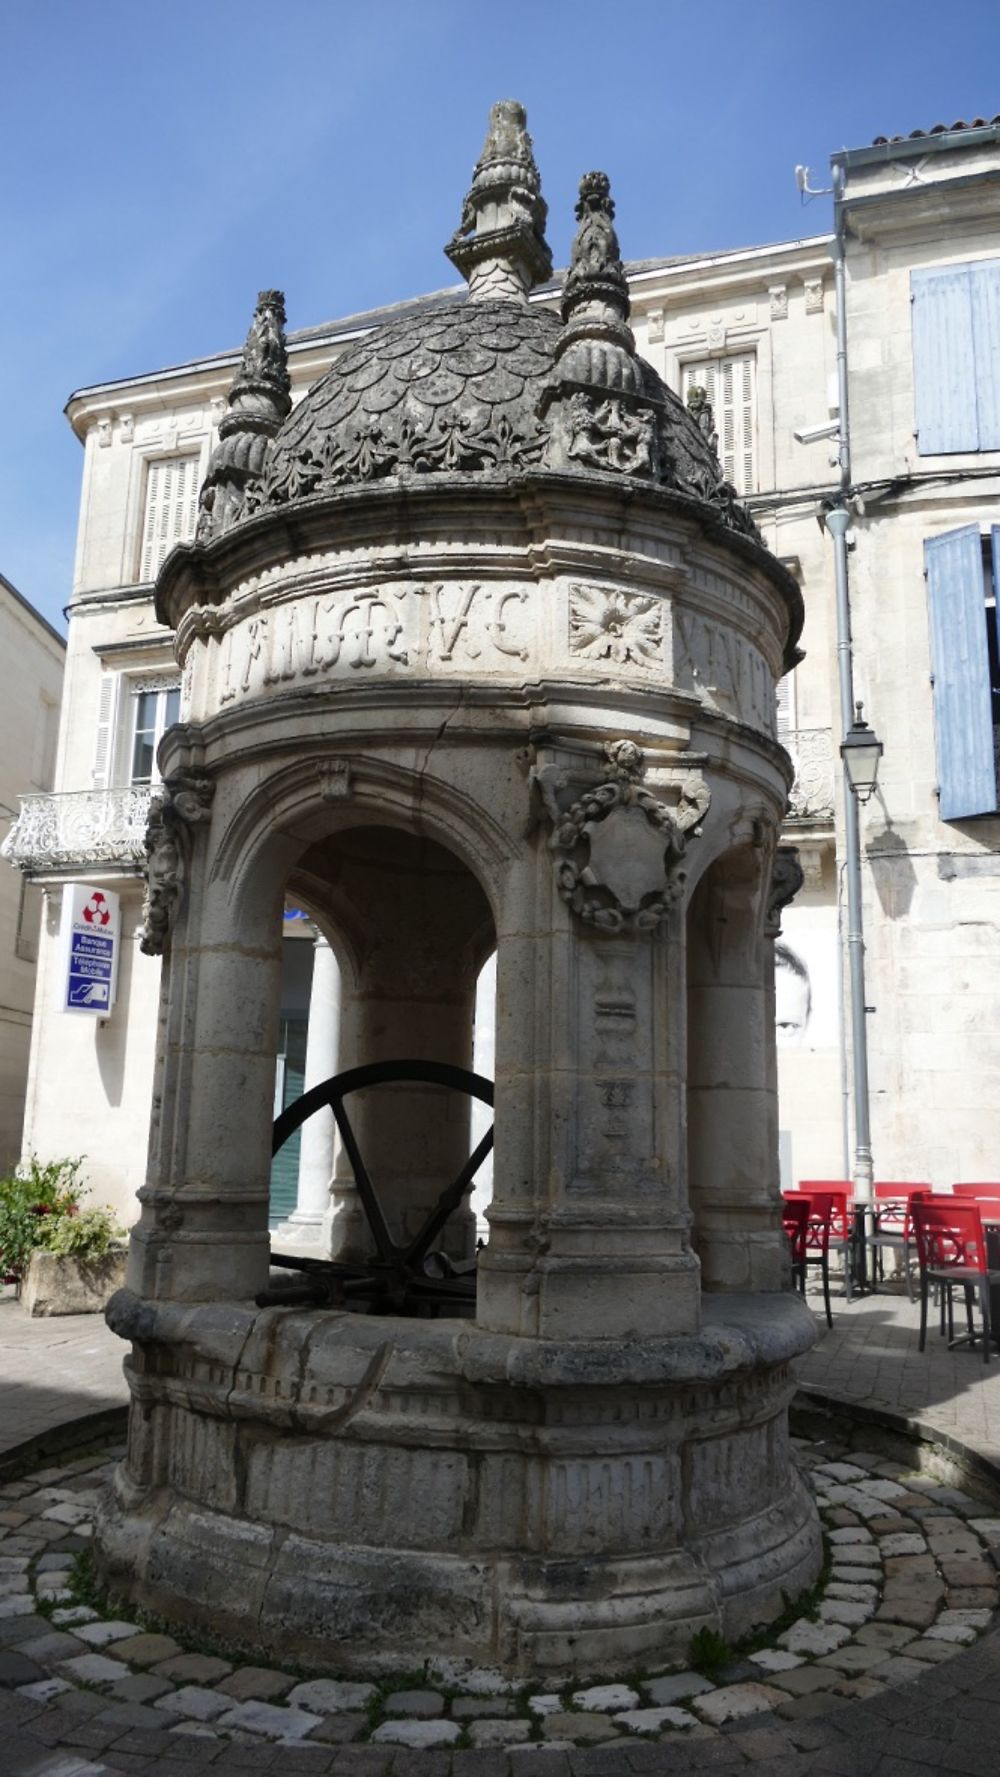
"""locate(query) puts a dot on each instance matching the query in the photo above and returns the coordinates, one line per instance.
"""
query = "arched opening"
(401, 931)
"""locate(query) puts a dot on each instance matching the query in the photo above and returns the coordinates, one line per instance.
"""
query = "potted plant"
(28, 1197)
(77, 1265)
(61, 1258)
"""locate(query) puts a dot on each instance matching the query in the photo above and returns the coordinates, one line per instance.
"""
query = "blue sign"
(91, 970)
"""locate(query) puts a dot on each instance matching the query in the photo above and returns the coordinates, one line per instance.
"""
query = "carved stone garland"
(184, 801)
(618, 849)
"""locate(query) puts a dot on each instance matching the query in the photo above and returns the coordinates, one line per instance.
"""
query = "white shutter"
(171, 509)
(107, 728)
(730, 384)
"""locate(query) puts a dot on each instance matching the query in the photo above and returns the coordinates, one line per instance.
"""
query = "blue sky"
(162, 161)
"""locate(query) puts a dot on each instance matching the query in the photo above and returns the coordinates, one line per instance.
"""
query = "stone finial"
(701, 411)
(596, 402)
(596, 272)
(500, 246)
(259, 400)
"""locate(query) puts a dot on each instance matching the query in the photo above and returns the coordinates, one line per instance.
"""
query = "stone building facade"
(754, 328)
(29, 720)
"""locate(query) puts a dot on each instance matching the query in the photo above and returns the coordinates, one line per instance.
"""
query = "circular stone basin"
(909, 1582)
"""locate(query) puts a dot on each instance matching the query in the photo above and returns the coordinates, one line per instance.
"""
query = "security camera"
(812, 434)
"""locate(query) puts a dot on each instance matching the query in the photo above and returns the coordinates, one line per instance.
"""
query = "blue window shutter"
(985, 294)
(963, 718)
(944, 361)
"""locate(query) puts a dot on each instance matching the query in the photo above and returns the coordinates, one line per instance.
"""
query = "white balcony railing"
(79, 827)
(812, 753)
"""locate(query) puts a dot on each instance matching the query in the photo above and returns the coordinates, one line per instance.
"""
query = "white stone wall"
(29, 715)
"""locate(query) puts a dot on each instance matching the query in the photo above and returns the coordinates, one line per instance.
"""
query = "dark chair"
(842, 1237)
(795, 1224)
(818, 1222)
(951, 1249)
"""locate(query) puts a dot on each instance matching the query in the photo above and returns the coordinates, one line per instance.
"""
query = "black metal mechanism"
(413, 1279)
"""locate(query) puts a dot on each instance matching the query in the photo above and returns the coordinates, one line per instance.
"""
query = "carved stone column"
(202, 1232)
(589, 1216)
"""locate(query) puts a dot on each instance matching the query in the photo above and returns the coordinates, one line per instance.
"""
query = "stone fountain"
(479, 652)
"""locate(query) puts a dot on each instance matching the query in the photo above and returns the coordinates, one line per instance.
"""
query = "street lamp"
(861, 751)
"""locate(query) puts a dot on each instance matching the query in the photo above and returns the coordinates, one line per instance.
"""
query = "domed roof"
(459, 389)
(452, 388)
(493, 386)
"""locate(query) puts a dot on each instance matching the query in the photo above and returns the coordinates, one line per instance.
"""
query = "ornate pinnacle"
(596, 402)
(596, 273)
(500, 246)
(264, 366)
(259, 400)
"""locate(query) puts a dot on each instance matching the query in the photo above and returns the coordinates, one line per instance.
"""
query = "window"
(956, 357)
(157, 708)
(171, 509)
(963, 575)
(730, 384)
(132, 717)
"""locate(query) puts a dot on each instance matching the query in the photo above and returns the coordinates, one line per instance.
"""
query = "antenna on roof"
(805, 189)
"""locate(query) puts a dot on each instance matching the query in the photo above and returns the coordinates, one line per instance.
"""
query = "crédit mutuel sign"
(89, 942)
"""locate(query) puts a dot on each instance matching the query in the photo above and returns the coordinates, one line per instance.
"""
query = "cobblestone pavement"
(907, 1616)
(881, 1682)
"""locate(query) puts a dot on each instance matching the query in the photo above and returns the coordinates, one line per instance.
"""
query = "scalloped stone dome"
(457, 389)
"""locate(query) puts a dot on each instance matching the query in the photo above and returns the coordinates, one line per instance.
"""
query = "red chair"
(818, 1220)
(893, 1229)
(842, 1235)
(951, 1249)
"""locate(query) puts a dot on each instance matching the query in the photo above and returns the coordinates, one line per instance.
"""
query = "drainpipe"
(837, 523)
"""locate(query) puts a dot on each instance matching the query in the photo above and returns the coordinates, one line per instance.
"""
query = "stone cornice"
(543, 508)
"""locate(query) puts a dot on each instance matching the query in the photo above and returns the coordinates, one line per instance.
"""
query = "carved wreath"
(623, 902)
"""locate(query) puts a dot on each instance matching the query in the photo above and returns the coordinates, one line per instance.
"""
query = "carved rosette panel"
(184, 802)
(618, 849)
(625, 628)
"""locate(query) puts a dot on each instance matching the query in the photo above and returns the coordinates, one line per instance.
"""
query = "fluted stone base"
(355, 1493)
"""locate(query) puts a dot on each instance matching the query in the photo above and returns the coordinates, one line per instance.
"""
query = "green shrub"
(29, 1199)
(87, 1235)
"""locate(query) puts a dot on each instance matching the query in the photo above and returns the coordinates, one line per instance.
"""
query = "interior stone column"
(731, 1098)
(420, 926)
(305, 1226)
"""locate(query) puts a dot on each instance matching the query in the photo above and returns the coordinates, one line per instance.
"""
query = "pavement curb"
(811, 1404)
(59, 1440)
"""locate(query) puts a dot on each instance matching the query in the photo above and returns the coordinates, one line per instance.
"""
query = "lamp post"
(861, 751)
